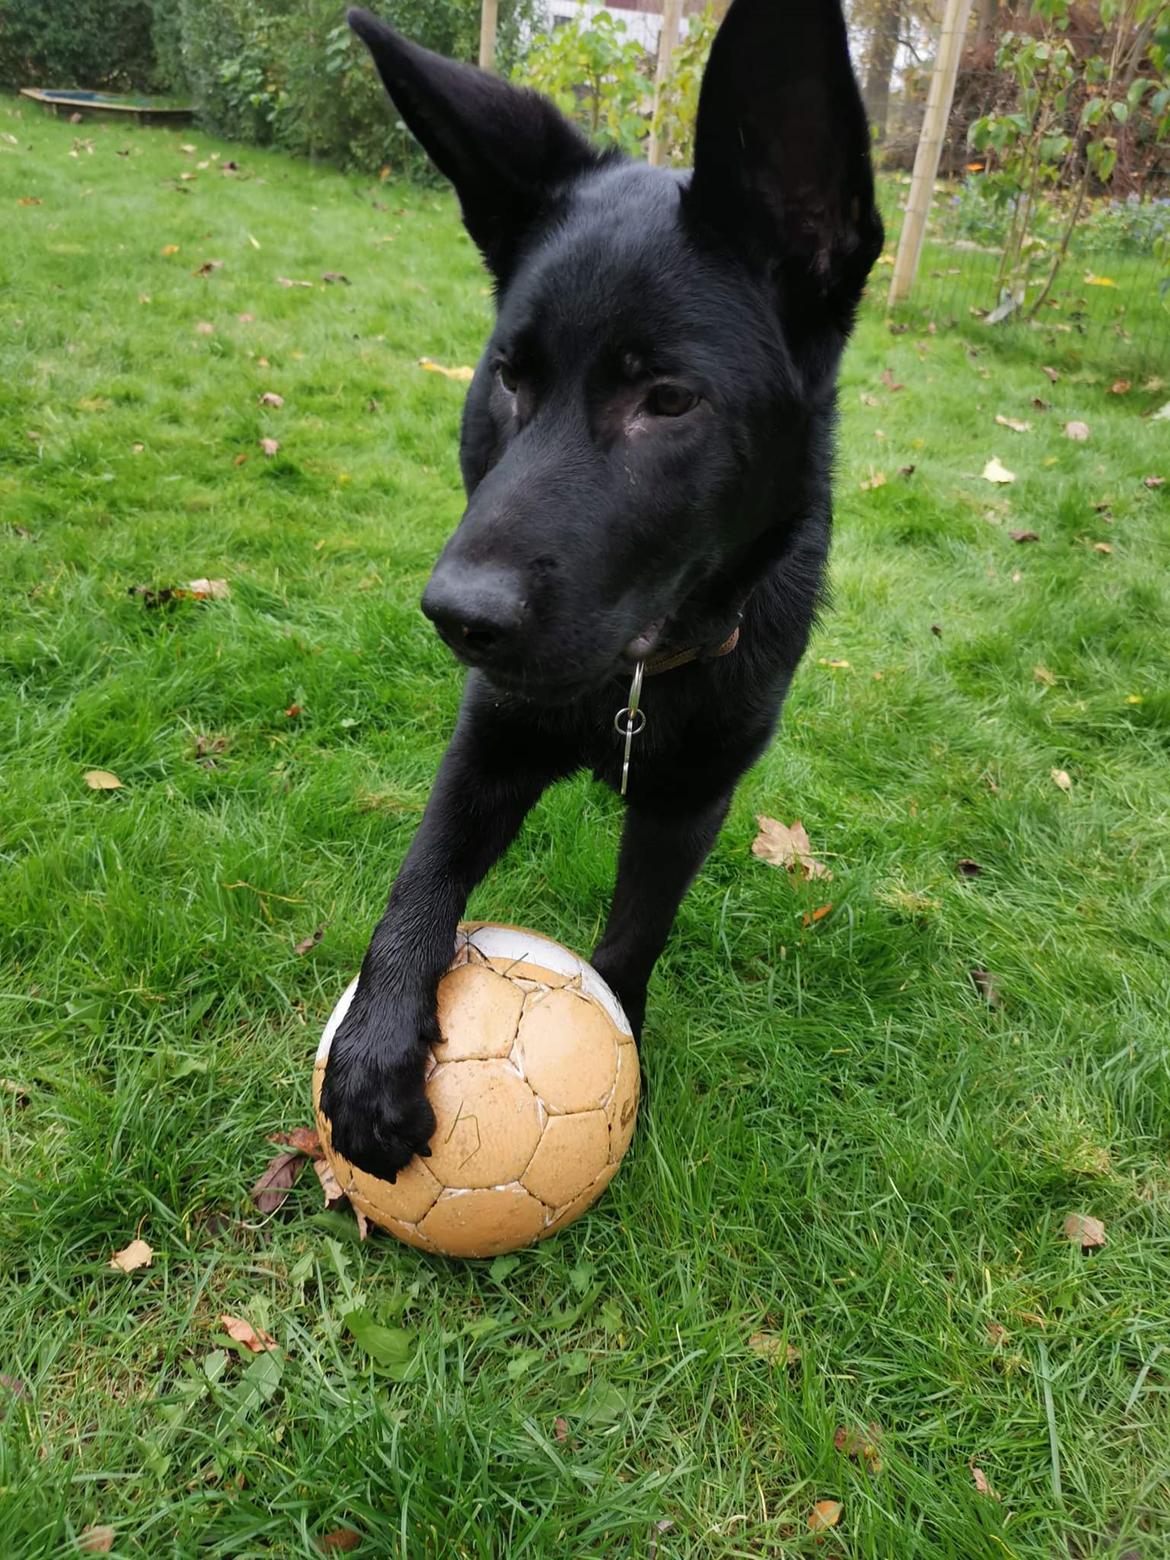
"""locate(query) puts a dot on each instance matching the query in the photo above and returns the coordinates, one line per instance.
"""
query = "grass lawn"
(846, 1200)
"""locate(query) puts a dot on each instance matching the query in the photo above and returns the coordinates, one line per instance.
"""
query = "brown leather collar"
(672, 658)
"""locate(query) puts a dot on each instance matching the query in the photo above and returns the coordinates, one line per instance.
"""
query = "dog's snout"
(478, 611)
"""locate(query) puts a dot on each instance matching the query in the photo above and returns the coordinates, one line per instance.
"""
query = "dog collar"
(631, 718)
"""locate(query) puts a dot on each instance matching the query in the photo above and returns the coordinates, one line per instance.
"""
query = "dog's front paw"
(374, 1091)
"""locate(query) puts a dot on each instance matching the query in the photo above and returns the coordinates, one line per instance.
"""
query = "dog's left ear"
(782, 163)
(505, 150)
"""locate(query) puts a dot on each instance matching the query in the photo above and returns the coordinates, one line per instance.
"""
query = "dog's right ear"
(506, 150)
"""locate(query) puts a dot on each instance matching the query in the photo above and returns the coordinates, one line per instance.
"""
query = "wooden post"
(667, 43)
(930, 143)
(488, 18)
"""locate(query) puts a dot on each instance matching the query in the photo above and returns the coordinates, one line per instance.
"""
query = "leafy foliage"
(81, 43)
(678, 105)
(594, 74)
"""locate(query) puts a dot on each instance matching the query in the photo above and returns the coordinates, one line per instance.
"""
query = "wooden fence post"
(488, 18)
(667, 43)
(930, 143)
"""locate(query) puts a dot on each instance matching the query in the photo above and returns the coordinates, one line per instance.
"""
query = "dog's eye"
(508, 377)
(670, 401)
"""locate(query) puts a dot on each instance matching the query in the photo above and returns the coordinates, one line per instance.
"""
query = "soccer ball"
(534, 1086)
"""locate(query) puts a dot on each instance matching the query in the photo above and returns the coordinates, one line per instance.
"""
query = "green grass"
(845, 1147)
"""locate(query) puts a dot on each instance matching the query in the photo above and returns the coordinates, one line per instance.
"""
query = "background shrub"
(78, 43)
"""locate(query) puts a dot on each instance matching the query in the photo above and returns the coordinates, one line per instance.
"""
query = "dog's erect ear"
(504, 149)
(782, 148)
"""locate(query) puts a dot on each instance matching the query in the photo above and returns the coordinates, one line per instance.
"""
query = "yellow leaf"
(464, 375)
(137, 1254)
(995, 471)
(1098, 281)
(825, 1515)
(101, 780)
(876, 479)
(169, 249)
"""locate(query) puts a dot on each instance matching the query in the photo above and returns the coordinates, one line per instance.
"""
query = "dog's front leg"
(660, 854)
(373, 1091)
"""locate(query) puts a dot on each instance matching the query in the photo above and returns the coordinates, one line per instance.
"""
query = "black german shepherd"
(646, 449)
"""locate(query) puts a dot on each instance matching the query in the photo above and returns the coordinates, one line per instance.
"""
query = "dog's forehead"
(617, 259)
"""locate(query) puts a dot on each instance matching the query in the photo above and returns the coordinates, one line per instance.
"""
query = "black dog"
(646, 451)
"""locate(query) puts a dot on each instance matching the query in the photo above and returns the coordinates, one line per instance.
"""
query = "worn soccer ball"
(534, 1086)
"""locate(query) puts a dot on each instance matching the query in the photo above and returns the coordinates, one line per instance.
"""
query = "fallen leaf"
(1052, 374)
(287, 281)
(936, 630)
(311, 941)
(97, 1540)
(1098, 281)
(340, 1541)
(275, 1184)
(825, 1515)
(240, 460)
(1121, 387)
(1154, 482)
(887, 378)
(137, 1254)
(1039, 404)
(876, 479)
(981, 1483)
(1014, 424)
(835, 662)
(561, 1428)
(101, 780)
(254, 1339)
(772, 1347)
(208, 590)
(987, 987)
(995, 471)
(862, 1446)
(209, 747)
(293, 711)
(1085, 1231)
(270, 398)
(231, 168)
(1061, 778)
(330, 1185)
(29, 200)
(1077, 430)
(1103, 547)
(464, 375)
(996, 1333)
(335, 276)
(965, 867)
(812, 917)
(10, 1387)
(205, 328)
(869, 400)
(305, 1140)
(245, 319)
(138, 448)
(169, 249)
(1024, 536)
(1042, 675)
(207, 268)
(782, 846)
(270, 446)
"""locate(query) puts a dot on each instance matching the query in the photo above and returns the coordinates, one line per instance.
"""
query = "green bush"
(78, 43)
(593, 73)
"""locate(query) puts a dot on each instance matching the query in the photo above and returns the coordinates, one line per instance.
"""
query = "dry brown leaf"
(270, 398)
(1052, 374)
(996, 471)
(204, 328)
(1120, 387)
(137, 1254)
(330, 1185)
(208, 267)
(253, 1338)
(887, 378)
(1039, 404)
(169, 249)
(311, 941)
(811, 917)
(275, 1184)
(1103, 547)
(981, 1483)
(1062, 778)
(1077, 430)
(340, 1541)
(996, 1333)
(335, 276)
(1153, 482)
(965, 867)
(287, 281)
(869, 400)
(1024, 536)
(862, 1445)
(825, 1515)
(208, 590)
(782, 846)
(101, 780)
(97, 1539)
(270, 446)
(771, 1346)
(876, 479)
(464, 375)
(1084, 1231)
(988, 988)
(1014, 424)
(1042, 675)
(240, 459)
(561, 1428)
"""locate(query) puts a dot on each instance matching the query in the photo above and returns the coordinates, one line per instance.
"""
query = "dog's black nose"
(479, 612)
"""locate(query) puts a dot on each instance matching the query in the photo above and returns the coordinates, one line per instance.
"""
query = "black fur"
(646, 449)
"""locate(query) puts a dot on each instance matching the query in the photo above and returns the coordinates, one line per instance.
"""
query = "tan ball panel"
(409, 1233)
(483, 1223)
(621, 1108)
(487, 1124)
(521, 970)
(584, 1200)
(478, 1014)
(570, 1153)
(568, 1050)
